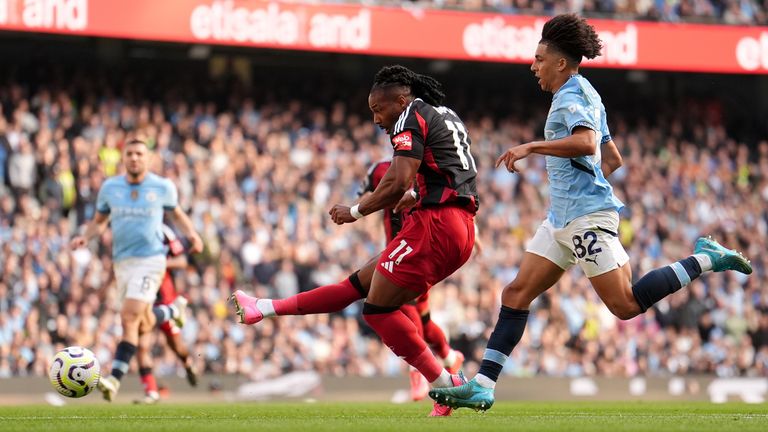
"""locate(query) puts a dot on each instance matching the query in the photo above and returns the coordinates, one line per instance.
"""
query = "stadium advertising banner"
(406, 32)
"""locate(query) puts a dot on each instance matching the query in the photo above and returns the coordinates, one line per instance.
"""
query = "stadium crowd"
(737, 12)
(258, 177)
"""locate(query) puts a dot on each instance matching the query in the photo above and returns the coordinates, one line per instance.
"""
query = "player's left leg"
(606, 264)
(627, 300)
(382, 311)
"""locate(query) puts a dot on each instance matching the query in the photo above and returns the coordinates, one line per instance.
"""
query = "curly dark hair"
(572, 36)
(422, 86)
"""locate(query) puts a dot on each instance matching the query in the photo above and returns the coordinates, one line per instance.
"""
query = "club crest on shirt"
(403, 141)
(134, 195)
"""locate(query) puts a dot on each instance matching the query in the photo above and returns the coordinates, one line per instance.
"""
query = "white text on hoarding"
(55, 14)
(495, 39)
(752, 53)
(223, 21)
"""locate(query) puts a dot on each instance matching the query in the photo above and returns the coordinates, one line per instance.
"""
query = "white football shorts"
(139, 278)
(591, 240)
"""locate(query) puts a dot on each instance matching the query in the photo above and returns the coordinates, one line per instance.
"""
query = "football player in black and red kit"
(167, 294)
(418, 310)
(431, 147)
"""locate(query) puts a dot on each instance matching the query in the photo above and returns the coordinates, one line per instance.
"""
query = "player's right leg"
(536, 275)
(324, 299)
(131, 316)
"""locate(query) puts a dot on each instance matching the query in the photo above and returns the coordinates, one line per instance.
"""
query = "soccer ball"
(74, 371)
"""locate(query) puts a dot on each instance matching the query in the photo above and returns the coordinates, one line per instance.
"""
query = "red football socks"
(324, 299)
(148, 380)
(436, 339)
(412, 313)
(401, 336)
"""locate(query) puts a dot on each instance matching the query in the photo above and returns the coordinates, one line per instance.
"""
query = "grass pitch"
(303, 417)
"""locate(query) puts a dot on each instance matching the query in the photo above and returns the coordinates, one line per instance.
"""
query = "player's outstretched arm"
(185, 223)
(95, 227)
(580, 143)
(611, 158)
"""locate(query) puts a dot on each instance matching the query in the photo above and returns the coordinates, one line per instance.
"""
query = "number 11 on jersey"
(403, 244)
(462, 145)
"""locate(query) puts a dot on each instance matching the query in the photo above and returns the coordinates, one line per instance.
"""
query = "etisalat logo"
(280, 24)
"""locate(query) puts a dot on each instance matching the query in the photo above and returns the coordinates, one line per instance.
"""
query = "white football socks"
(484, 381)
(444, 380)
(705, 262)
(265, 307)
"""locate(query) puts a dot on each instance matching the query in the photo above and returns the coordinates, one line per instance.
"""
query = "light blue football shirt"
(577, 185)
(136, 214)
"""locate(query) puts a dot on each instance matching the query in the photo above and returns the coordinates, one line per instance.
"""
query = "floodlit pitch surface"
(313, 417)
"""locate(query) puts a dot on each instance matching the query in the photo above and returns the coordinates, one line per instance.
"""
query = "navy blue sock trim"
(124, 353)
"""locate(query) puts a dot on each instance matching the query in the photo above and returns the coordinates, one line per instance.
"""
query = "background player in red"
(177, 259)
(418, 310)
(432, 146)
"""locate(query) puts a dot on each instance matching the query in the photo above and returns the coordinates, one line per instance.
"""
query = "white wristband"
(355, 212)
(414, 194)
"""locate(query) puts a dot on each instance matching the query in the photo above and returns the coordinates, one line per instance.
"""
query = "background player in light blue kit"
(134, 205)
(582, 224)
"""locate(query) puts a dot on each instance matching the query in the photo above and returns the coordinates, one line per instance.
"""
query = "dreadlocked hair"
(422, 86)
(572, 36)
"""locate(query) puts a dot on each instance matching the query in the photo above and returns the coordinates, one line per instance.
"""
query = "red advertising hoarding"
(388, 31)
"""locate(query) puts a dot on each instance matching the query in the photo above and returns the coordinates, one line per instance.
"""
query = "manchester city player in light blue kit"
(582, 224)
(134, 204)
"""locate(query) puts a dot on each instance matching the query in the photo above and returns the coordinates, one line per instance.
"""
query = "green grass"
(508, 417)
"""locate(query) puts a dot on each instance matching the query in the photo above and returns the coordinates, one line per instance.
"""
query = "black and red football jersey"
(392, 221)
(438, 138)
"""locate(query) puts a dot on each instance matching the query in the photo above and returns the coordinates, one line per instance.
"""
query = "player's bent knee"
(624, 310)
(515, 295)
